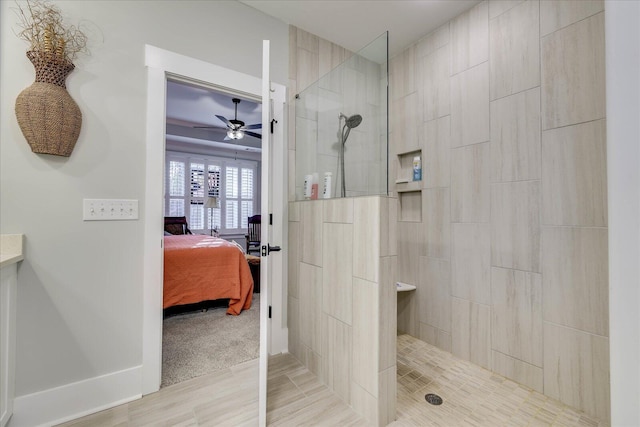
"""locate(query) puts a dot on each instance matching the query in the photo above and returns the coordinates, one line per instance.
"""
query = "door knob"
(266, 250)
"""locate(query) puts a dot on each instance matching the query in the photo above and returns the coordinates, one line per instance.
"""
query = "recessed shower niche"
(408, 185)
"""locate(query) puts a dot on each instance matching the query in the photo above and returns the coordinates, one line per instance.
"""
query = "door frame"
(160, 65)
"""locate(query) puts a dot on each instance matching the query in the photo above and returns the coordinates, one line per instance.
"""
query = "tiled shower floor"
(472, 396)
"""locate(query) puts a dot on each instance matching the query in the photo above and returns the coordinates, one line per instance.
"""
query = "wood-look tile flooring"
(295, 397)
(473, 396)
(229, 398)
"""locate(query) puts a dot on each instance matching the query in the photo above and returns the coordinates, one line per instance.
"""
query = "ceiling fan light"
(235, 134)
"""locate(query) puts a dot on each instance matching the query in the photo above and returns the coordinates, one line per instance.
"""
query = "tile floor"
(473, 396)
(295, 397)
(209, 400)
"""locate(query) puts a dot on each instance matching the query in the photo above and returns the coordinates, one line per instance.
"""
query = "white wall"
(622, 32)
(80, 286)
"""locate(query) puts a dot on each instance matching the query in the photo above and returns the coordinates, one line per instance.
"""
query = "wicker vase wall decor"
(49, 118)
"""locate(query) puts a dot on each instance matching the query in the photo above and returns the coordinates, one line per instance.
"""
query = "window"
(196, 202)
(231, 181)
(213, 184)
(239, 196)
(175, 187)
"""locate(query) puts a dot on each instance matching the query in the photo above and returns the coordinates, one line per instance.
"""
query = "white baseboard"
(75, 400)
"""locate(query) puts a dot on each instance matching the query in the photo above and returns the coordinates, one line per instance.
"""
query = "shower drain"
(433, 399)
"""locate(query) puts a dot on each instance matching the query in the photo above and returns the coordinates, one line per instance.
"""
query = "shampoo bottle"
(326, 190)
(314, 187)
(417, 169)
(307, 186)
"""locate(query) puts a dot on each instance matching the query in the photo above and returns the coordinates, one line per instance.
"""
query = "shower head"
(349, 123)
(353, 121)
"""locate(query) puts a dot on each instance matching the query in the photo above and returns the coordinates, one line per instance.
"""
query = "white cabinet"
(8, 287)
(10, 255)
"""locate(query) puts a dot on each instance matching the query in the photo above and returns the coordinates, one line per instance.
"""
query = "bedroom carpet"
(199, 343)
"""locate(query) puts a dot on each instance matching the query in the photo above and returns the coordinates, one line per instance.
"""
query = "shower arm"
(343, 142)
(340, 166)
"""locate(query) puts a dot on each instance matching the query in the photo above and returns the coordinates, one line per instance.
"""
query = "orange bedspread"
(200, 268)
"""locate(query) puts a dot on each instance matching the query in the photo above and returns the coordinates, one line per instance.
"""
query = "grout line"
(573, 329)
(469, 68)
(518, 359)
(470, 223)
(520, 92)
(595, 227)
(515, 182)
(568, 125)
(473, 144)
(569, 25)
(540, 121)
(506, 11)
(516, 269)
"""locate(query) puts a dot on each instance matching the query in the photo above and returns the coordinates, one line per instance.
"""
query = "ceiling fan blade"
(253, 134)
(206, 127)
(253, 126)
(227, 122)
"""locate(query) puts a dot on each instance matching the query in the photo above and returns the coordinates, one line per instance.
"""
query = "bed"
(200, 268)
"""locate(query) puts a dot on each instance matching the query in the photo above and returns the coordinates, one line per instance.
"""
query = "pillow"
(174, 228)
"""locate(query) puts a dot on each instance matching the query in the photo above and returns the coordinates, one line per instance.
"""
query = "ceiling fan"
(236, 129)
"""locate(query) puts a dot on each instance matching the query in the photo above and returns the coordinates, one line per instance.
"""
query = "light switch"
(109, 209)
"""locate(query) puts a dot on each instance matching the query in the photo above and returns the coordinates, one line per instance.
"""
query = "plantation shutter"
(246, 192)
(175, 188)
(231, 177)
(213, 185)
(190, 180)
(196, 208)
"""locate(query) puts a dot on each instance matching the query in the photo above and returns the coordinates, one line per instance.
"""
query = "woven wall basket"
(49, 118)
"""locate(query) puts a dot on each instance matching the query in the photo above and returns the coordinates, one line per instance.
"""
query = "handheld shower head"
(353, 121)
(349, 123)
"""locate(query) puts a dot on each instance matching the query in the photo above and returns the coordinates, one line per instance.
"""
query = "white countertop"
(11, 249)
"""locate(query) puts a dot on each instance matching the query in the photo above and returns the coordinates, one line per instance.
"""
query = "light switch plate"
(109, 209)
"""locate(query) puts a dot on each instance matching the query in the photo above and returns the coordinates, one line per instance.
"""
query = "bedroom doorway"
(212, 183)
(161, 66)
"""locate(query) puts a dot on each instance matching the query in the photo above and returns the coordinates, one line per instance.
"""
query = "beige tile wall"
(342, 298)
(508, 247)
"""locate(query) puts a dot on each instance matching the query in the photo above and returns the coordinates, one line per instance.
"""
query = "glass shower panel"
(342, 118)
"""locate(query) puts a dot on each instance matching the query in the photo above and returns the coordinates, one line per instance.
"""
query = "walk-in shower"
(354, 92)
(349, 123)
